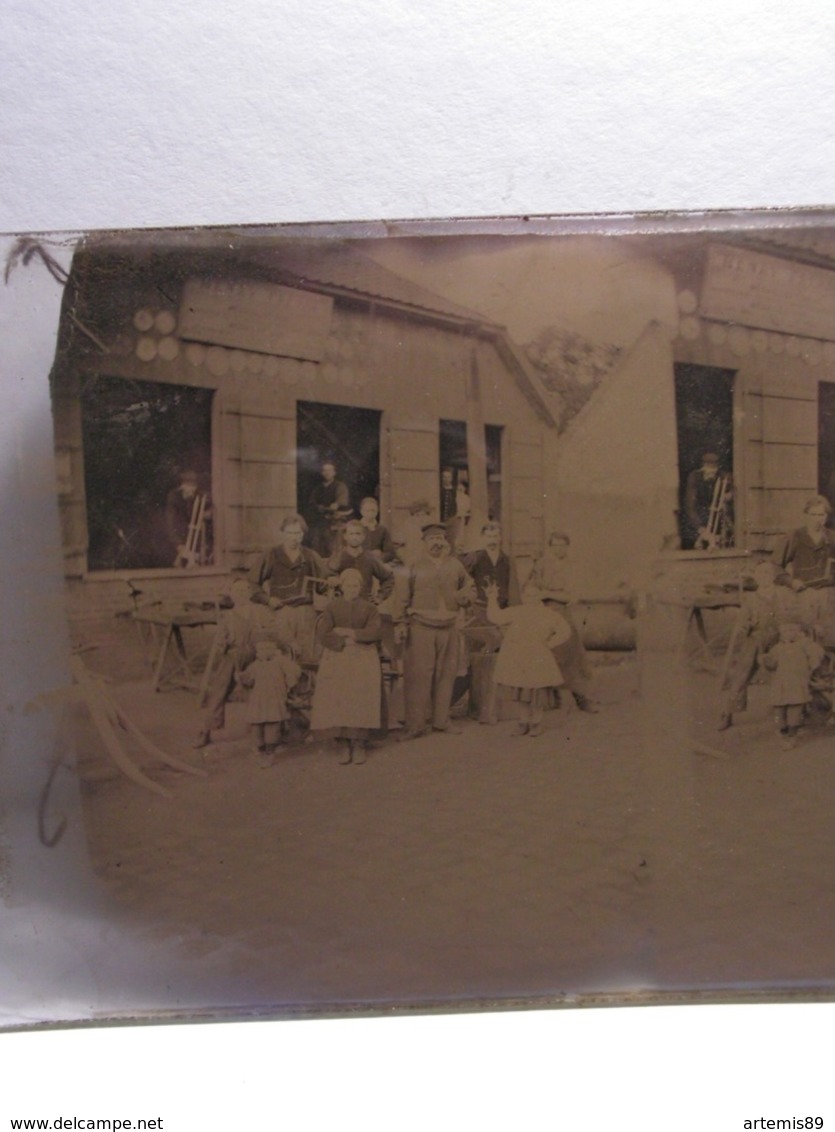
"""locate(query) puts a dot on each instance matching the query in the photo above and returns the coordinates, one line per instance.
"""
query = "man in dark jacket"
(489, 566)
(329, 507)
(286, 577)
(704, 491)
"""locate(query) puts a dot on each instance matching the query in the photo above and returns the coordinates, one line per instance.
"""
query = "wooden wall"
(415, 373)
(776, 423)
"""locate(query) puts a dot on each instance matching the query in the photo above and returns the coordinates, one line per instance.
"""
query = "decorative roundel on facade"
(143, 320)
(237, 361)
(687, 302)
(217, 360)
(717, 334)
(739, 341)
(759, 341)
(793, 347)
(146, 349)
(812, 352)
(254, 363)
(290, 372)
(690, 328)
(195, 353)
(165, 322)
(168, 348)
(271, 366)
(775, 343)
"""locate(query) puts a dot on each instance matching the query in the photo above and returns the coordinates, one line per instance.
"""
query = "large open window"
(704, 425)
(826, 441)
(342, 435)
(147, 465)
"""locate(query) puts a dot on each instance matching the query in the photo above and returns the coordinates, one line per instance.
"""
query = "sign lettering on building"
(265, 318)
(769, 293)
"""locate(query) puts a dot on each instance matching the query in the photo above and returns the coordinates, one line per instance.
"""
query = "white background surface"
(174, 113)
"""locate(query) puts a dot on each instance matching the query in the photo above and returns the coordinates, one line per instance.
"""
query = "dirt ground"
(477, 866)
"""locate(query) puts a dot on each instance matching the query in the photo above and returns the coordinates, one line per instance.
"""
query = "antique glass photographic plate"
(418, 618)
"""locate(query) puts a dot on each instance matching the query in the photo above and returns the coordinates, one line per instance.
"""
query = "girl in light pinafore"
(526, 664)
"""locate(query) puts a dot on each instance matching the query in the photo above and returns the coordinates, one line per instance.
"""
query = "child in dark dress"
(270, 678)
(791, 662)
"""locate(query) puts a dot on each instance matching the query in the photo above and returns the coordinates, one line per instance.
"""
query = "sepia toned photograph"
(450, 618)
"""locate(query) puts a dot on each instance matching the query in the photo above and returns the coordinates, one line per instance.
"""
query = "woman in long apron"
(347, 700)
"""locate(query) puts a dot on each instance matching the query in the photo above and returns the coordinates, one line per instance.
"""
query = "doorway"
(345, 436)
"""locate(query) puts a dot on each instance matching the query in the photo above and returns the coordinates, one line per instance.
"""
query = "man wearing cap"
(426, 613)
(701, 494)
(179, 507)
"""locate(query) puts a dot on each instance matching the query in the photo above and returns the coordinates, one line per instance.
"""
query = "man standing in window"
(707, 507)
(185, 522)
(447, 495)
(329, 505)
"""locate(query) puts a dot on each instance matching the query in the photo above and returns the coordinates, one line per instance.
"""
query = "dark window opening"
(454, 484)
(704, 425)
(348, 438)
(493, 440)
(147, 474)
(456, 475)
(826, 442)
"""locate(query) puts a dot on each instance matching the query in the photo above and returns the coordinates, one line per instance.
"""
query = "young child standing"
(526, 664)
(791, 662)
(270, 678)
(348, 692)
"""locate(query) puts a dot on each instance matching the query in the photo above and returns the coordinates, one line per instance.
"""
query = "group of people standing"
(786, 623)
(457, 629)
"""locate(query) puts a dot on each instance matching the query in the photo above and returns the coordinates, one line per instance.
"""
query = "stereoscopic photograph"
(447, 620)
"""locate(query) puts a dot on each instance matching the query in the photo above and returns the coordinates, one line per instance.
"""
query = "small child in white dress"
(526, 664)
